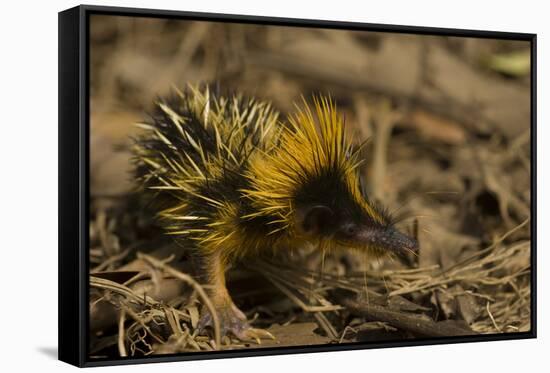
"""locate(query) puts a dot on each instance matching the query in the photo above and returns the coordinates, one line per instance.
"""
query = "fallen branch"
(414, 323)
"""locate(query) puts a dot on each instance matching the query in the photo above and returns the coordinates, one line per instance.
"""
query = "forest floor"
(449, 123)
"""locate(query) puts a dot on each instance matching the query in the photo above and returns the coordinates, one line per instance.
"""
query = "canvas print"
(260, 186)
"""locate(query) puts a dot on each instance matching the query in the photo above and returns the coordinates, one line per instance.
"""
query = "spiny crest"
(312, 147)
(197, 138)
(326, 146)
(196, 131)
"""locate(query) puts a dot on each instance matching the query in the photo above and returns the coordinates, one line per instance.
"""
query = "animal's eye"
(350, 230)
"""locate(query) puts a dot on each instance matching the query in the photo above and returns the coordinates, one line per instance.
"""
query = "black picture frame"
(74, 193)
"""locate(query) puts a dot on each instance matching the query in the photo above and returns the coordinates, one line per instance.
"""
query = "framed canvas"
(233, 186)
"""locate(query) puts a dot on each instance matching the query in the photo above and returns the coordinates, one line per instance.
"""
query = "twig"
(143, 323)
(492, 318)
(298, 301)
(110, 260)
(121, 343)
(326, 325)
(126, 292)
(195, 285)
(488, 249)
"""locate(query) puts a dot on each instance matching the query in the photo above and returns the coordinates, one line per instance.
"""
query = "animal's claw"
(254, 335)
(233, 323)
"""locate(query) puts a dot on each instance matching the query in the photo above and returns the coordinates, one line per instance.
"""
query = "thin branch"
(121, 335)
(195, 285)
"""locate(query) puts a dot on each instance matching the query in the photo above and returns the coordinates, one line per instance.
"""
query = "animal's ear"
(315, 219)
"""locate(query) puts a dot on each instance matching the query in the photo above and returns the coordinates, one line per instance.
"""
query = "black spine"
(69, 134)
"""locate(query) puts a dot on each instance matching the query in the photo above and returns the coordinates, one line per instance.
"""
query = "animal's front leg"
(232, 320)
